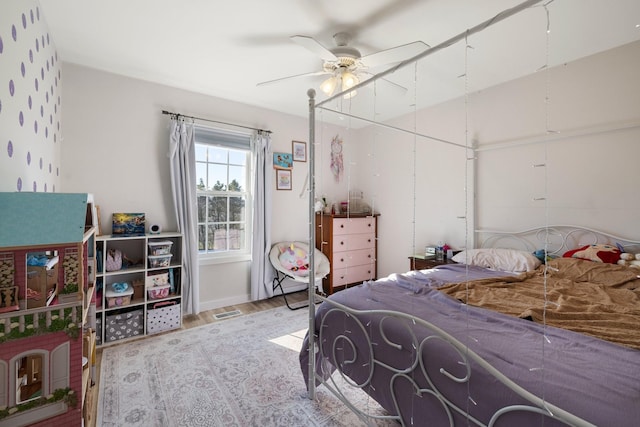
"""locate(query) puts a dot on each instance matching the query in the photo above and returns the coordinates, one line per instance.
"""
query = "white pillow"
(499, 259)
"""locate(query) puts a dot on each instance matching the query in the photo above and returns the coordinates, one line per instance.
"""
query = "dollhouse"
(47, 308)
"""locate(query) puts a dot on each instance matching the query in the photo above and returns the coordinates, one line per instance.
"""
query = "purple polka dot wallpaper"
(30, 100)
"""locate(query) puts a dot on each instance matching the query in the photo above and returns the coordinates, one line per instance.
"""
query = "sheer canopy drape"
(183, 185)
(261, 270)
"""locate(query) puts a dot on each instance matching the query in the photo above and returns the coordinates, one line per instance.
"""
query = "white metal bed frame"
(557, 239)
(467, 356)
(554, 239)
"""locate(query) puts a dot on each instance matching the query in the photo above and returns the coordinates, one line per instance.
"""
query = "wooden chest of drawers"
(350, 245)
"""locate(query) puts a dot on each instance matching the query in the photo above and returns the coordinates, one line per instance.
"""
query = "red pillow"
(599, 253)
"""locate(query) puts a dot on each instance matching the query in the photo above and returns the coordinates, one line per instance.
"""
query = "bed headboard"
(557, 238)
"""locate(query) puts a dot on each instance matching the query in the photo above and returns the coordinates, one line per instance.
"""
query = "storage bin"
(161, 247)
(118, 299)
(157, 280)
(163, 316)
(157, 292)
(124, 325)
(156, 261)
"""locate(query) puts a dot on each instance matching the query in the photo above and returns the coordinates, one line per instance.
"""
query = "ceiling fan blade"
(394, 54)
(311, 44)
(316, 73)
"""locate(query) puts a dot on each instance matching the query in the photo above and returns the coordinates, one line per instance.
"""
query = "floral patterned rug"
(241, 371)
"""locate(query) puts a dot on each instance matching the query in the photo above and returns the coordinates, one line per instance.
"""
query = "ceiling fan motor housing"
(342, 51)
(346, 51)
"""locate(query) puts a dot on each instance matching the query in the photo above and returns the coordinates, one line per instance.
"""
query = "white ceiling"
(224, 48)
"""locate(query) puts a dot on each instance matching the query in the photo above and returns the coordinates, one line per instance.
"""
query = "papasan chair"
(291, 260)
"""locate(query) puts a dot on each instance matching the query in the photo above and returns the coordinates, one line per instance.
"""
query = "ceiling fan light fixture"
(349, 80)
(329, 85)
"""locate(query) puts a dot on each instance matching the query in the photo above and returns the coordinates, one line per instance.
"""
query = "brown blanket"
(602, 300)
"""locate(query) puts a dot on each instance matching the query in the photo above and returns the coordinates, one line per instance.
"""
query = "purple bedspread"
(593, 379)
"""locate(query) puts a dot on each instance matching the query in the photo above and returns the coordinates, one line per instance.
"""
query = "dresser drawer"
(345, 276)
(353, 242)
(353, 258)
(353, 226)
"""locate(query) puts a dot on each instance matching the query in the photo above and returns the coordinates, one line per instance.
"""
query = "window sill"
(222, 259)
(34, 415)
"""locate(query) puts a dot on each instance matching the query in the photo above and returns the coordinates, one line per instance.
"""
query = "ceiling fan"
(346, 66)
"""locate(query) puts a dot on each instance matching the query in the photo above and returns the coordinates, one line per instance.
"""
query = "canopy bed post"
(312, 239)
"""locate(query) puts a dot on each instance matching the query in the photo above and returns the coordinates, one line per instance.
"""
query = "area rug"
(242, 371)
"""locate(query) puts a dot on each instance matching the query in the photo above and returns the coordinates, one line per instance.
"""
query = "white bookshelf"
(130, 319)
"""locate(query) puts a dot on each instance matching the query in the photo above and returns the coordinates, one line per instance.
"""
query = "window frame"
(225, 139)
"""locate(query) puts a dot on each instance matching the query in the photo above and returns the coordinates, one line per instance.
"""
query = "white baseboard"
(288, 286)
(224, 302)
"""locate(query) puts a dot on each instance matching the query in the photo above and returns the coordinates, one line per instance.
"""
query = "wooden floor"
(192, 321)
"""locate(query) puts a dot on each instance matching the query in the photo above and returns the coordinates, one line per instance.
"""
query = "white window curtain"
(182, 157)
(261, 270)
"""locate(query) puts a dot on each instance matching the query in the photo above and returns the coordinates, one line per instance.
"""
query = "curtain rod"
(213, 121)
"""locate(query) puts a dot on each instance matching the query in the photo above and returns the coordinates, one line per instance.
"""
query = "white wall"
(116, 142)
(591, 160)
(30, 100)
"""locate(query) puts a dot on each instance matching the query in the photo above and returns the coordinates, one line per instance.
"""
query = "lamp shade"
(329, 85)
(349, 80)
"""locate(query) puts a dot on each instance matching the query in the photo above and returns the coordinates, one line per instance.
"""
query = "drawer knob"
(341, 225)
(341, 259)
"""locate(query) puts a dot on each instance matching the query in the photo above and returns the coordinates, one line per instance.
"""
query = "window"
(223, 188)
(29, 378)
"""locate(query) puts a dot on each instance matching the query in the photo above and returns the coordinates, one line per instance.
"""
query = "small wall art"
(283, 179)
(299, 150)
(282, 160)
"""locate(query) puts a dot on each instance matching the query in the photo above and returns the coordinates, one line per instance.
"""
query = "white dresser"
(350, 244)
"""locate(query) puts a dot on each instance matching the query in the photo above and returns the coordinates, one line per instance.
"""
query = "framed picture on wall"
(299, 150)
(282, 160)
(283, 179)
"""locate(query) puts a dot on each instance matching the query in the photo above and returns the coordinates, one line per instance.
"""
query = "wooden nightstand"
(417, 262)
